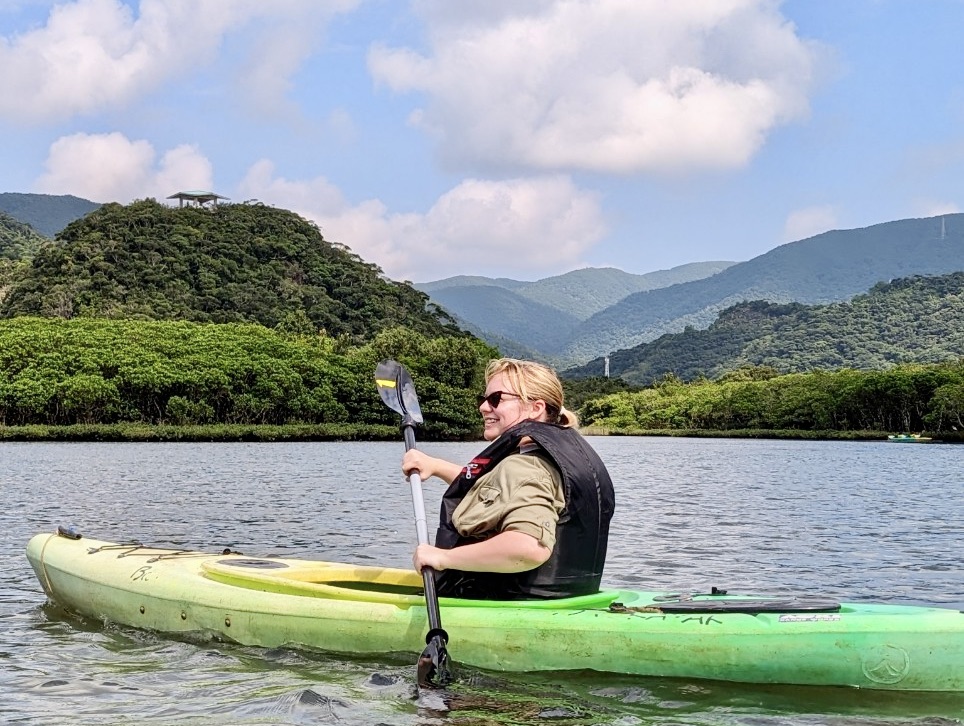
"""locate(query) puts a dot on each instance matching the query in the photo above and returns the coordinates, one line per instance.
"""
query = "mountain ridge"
(917, 319)
(829, 267)
(48, 214)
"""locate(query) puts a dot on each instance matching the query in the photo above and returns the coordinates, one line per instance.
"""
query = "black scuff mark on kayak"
(703, 620)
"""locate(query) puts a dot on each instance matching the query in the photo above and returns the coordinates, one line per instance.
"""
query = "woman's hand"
(429, 466)
(428, 556)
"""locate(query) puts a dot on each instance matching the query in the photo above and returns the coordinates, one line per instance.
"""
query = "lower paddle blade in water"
(433, 665)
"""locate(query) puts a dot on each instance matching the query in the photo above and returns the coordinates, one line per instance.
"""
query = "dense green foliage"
(580, 390)
(85, 371)
(234, 263)
(45, 213)
(903, 398)
(911, 320)
(17, 239)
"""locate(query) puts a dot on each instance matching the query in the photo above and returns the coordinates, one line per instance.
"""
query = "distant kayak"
(272, 602)
(909, 439)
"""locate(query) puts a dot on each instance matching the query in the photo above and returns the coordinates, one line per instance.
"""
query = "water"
(856, 521)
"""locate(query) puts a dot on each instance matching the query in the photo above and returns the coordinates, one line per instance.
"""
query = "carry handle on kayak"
(398, 392)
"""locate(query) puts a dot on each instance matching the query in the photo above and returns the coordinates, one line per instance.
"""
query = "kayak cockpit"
(340, 581)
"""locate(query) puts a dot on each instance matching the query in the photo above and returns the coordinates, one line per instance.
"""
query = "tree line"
(96, 371)
(911, 397)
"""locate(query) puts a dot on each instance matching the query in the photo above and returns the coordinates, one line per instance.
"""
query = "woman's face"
(510, 411)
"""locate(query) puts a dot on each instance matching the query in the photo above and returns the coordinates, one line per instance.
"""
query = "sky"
(505, 138)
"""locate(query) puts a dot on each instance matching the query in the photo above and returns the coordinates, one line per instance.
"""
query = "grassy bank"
(742, 434)
(363, 432)
(214, 432)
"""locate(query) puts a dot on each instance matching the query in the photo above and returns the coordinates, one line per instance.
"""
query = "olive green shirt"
(523, 493)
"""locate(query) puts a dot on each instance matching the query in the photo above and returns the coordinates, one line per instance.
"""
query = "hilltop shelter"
(196, 199)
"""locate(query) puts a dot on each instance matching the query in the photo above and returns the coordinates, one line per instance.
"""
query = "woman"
(529, 516)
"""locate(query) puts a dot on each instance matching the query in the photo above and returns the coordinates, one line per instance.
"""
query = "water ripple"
(853, 521)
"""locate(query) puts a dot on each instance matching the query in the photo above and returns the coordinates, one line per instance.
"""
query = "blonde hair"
(534, 382)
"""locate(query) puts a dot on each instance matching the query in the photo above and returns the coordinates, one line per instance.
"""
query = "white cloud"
(112, 168)
(537, 226)
(934, 208)
(810, 221)
(603, 85)
(97, 53)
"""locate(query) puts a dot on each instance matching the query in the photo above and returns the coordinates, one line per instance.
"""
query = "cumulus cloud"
(810, 221)
(112, 168)
(96, 53)
(602, 85)
(536, 226)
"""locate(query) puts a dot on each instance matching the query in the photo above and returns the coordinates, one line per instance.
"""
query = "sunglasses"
(495, 398)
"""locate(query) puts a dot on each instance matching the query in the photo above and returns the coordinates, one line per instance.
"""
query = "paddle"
(398, 392)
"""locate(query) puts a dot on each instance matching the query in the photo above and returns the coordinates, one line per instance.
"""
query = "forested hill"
(46, 213)
(910, 320)
(232, 263)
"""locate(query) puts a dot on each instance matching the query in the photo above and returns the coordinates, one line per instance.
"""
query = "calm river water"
(856, 521)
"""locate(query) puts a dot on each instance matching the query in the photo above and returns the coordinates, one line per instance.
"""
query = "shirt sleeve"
(523, 493)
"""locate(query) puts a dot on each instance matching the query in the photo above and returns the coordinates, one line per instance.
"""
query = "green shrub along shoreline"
(136, 380)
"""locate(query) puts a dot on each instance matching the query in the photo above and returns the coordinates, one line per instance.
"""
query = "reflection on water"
(851, 520)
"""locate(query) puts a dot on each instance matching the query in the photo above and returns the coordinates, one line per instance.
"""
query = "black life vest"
(582, 533)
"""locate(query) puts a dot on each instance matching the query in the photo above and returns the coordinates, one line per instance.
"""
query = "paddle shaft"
(398, 393)
(418, 503)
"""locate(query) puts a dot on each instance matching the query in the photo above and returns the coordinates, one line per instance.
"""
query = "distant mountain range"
(534, 319)
(46, 213)
(829, 267)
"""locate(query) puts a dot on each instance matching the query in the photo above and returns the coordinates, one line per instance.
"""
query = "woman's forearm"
(508, 551)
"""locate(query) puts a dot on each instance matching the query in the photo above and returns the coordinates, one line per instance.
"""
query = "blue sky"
(511, 138)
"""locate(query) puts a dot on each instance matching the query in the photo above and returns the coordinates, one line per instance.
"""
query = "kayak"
(347, 608)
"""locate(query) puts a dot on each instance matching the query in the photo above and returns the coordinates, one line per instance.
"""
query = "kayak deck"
(361, 609)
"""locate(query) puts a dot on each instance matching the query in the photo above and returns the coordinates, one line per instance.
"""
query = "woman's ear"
(538, 408)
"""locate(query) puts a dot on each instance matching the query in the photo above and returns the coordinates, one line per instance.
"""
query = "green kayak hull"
(345, 608)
